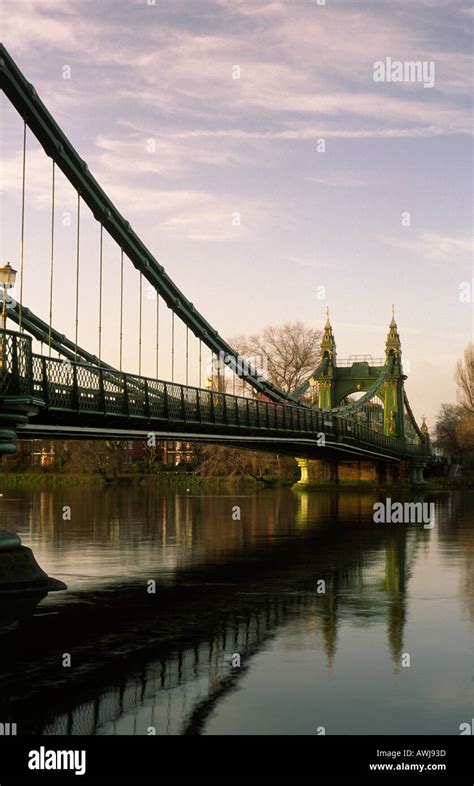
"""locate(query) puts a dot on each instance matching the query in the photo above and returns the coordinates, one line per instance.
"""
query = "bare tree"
(464, 378)
(287, 354)
(222, 461)
(447, 426)
(465, 437)
(97, 457)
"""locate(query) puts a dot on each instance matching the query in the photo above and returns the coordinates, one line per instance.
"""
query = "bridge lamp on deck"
(7, 281)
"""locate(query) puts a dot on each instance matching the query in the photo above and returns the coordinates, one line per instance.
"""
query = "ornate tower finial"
(393, 323)
(393, 343)
(327, 342)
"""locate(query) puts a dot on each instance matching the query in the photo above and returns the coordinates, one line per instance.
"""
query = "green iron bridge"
(77, 395)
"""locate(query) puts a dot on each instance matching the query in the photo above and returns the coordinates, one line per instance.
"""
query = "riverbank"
(180, 480)
(172, 480)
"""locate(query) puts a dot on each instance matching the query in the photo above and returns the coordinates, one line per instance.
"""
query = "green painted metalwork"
(24, 98)
(336, 382)
(63, 391)
(317, 373)
(67, 393)
(42, 331)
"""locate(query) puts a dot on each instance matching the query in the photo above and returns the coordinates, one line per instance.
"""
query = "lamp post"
(7, 281)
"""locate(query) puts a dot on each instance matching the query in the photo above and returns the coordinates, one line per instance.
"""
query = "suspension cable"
(187, 354)
(22, 234)
(412, 417)
(200, 363)
(157, 331)
(172, 346)
(140, 328)
(100, 290)
(121, 309)
(51, 266)
(77, 267)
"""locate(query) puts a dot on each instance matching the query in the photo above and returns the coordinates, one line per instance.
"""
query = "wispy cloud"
(433, 246)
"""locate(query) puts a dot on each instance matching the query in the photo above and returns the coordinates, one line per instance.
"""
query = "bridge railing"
(16, 377)
(92, 390)
(377, 362)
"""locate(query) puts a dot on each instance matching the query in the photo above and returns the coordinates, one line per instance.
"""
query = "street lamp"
(7, 281)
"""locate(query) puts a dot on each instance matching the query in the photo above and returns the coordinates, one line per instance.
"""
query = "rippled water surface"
(245, 589)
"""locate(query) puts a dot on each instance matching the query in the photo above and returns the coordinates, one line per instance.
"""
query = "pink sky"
(182, 147)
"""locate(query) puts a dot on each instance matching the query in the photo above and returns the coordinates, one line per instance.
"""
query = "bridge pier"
(9, 420)
(316, 473)
(417, 466)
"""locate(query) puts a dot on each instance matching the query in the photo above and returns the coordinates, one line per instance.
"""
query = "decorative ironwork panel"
(219, 409)
(231, 411)
(16, 364)
(190, 403)
(88, 388)
(175, 407)
(253, 417)
(205, 406)
(60, 381)
(136, 396)
(114, 392)
(157, 398)
(37, 376)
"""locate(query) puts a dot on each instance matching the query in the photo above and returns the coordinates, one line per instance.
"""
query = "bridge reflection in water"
(164, 660)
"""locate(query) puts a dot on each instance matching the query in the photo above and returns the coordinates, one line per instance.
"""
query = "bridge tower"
(338, 382)
(394, 421)
(326, 382)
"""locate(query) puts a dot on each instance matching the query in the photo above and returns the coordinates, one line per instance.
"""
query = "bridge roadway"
(68, 400)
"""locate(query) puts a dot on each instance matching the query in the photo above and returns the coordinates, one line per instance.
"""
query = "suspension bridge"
(51, 386)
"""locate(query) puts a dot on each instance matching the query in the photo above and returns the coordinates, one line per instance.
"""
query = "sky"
(254, 153)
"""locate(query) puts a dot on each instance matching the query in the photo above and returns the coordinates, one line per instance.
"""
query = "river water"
(269, 612)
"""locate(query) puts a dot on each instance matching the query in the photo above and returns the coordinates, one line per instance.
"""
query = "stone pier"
(319, 473)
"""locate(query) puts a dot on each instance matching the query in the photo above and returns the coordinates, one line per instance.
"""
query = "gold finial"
(327, 311)
(393, 324)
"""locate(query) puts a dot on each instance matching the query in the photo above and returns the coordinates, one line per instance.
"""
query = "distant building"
(177, 452)
(45, 453)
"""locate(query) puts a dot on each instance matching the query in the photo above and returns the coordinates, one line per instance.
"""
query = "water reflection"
(163, 660)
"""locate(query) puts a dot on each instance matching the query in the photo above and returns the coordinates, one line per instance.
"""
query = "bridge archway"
(372, 413)
(338, 379)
